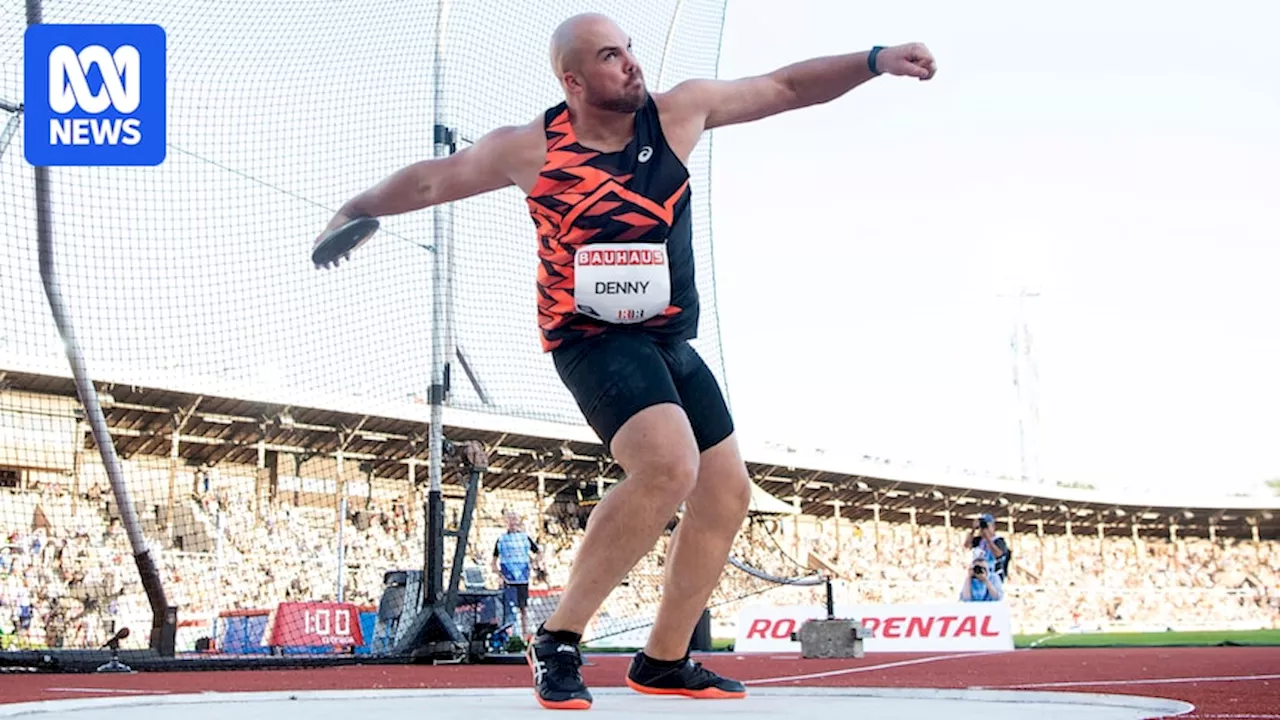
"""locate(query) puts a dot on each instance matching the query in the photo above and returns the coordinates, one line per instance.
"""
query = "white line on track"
(1231, 716)
(109, 691)
(865, 668)
(1153, 681)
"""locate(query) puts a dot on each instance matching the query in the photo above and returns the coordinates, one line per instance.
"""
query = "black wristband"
(871, 59)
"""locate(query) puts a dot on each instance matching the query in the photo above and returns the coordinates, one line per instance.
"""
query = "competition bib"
(622, 283)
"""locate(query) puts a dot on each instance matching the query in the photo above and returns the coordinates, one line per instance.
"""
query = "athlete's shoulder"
(682, 116)
(511, 137)
(522, 149)
(685, 100)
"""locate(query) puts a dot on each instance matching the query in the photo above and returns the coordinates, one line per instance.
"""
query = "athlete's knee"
(737, 501)
(723, 488)
(671, 474)
(727, 503)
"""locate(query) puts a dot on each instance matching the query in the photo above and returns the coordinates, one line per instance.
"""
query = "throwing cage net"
(209, 442)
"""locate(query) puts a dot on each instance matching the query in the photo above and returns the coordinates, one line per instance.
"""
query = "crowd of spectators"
(67, 575)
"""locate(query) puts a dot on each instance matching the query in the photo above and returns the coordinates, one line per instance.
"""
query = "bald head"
(568, 40)
(591, 57)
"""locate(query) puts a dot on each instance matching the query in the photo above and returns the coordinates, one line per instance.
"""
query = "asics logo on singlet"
(646, 152)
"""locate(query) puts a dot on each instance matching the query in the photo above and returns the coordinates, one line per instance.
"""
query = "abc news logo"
(69, 90)
(95, 95)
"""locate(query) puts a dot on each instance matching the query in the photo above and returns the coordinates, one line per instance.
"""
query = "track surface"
(1224, 683)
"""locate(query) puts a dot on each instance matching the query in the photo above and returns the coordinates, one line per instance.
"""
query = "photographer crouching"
(981, 584)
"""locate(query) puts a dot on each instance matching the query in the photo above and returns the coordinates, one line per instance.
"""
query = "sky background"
(1120, 159)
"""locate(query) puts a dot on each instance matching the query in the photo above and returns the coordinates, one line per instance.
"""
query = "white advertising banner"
(895, 628)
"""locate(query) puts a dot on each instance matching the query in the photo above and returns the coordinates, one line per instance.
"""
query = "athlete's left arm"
(716, 103)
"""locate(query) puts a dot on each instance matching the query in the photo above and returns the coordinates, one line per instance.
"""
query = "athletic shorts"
(517, 594)
(615, 375)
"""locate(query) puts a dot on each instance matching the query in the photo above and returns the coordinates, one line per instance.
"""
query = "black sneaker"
(556, 681)
(687, 678)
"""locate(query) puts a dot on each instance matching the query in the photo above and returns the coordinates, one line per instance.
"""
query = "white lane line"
(866, 668)
(115, 691)
(1153, 681)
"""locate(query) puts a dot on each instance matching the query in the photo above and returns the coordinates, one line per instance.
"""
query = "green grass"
(1204, 638)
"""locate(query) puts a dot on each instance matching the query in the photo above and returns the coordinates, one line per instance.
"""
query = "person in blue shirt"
(515, 555)
(981, 584)
(996, 549)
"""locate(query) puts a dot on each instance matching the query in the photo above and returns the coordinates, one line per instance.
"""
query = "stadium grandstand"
(204, 435)
(251, 502)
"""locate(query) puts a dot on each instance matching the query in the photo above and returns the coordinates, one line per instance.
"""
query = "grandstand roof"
(225, 426)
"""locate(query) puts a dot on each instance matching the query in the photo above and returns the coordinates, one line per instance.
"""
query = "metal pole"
(161, 616)
(217, 570)
(10, 127)
(440, 331)
(666, 47)
(831, 601)
(342, 523)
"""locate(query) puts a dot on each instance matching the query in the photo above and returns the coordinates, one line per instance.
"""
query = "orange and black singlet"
(614, 238)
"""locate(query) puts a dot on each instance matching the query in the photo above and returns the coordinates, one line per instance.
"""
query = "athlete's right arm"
(482, 167)
(472, 170)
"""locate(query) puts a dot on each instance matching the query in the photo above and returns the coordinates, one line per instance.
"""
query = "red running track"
(1224, 683)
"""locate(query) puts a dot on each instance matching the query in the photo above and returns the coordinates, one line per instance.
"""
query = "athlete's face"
(609, 75)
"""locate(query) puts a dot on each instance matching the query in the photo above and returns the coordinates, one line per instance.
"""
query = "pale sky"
(1120, 159)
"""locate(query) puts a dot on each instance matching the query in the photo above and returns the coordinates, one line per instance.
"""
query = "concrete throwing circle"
(507, 703)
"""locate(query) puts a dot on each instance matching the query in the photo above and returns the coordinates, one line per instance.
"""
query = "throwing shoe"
(682, 677)
(557, 682)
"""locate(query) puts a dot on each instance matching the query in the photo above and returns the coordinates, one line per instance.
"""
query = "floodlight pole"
(164, 618)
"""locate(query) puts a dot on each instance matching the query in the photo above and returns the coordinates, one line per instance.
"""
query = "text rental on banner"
(895, 628)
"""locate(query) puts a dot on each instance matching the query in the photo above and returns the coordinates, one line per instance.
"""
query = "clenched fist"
(912, 59)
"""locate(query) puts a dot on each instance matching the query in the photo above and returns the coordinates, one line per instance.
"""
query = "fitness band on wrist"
(871, 59)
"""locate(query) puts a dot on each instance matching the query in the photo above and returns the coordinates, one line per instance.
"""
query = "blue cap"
(988, 517)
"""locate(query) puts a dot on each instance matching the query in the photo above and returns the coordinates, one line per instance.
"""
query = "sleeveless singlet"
(614, 238)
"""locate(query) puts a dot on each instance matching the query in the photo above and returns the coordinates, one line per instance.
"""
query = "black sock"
(664, 664)
(561, 636)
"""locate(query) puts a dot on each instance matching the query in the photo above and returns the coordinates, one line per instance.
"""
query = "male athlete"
(606, 185)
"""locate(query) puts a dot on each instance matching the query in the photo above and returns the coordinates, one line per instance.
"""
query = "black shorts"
(520, 591)
(615, 375)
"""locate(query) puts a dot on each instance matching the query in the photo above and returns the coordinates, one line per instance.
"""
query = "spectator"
(514, 555)
(981, 585)
(993, 547)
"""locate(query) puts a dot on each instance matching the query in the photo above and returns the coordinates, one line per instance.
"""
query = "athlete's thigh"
(616, 377)
(700, 395)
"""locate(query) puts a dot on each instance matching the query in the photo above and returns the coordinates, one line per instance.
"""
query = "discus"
(338, 243)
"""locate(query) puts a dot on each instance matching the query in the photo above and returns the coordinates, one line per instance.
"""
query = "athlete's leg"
(657, 450)
(696, 557)
(713, 512)
(624, 387)
(713, 515)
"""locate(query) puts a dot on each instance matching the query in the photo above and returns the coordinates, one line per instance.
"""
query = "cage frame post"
(164, 617)
(434, 634)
